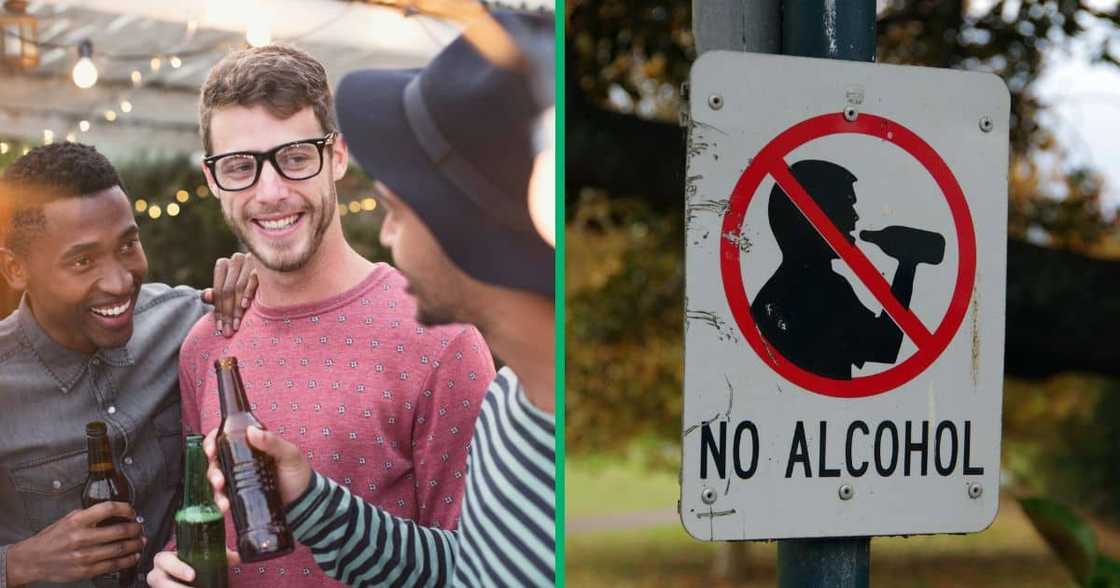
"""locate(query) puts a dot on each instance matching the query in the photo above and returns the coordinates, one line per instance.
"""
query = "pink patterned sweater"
(378, 402)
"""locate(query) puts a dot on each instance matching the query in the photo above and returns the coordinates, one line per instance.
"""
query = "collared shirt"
(47, 395)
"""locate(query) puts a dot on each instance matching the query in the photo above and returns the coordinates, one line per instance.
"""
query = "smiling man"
(330, 353)
(89, 342)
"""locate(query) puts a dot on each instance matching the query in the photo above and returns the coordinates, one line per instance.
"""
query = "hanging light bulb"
(85, 72)
(259, 31)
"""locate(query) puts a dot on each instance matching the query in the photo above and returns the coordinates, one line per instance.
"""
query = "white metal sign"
(846, 272)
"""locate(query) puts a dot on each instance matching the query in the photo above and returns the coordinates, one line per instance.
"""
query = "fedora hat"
(454, 141)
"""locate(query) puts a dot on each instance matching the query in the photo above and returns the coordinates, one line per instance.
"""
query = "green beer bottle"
(200, 529)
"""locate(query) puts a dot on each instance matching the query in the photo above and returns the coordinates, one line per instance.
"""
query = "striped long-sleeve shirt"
(506, 534)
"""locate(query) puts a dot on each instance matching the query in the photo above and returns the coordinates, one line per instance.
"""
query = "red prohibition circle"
(763, 164)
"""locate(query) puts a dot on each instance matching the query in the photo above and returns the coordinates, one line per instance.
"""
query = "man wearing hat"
(452, 148)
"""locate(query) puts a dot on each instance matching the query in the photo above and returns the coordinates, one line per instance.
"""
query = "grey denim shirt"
(47, 395)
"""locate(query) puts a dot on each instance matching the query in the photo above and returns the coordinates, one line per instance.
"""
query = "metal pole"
(835, 29)
(817, 563)
(737, 25)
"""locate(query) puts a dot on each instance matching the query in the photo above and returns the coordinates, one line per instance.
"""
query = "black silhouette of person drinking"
(810, 313)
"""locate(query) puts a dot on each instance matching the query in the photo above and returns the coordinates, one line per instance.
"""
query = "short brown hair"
(284, 79)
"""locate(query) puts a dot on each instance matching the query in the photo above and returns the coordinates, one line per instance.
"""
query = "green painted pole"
(834, 29)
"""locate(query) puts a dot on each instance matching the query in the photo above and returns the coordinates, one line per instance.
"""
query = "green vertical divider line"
(560, 297)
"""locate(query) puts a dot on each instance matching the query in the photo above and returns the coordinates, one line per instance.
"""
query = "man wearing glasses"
(330, 353)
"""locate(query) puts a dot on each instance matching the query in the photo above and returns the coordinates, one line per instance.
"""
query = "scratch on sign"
(739, 240)
(710, 319)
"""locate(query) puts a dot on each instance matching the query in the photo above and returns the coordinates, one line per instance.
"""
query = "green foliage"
(625, 308)
(1074, 542)
(181, 249)
(1071, 538)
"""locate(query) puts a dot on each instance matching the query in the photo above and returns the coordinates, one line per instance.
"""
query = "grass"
(657, 552)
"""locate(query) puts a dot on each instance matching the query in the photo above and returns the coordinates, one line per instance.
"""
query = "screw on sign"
(806, 321)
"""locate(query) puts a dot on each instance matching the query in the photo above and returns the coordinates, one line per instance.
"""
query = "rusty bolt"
(715, 101)
(708, 495)
(986, 124)
(846, 492)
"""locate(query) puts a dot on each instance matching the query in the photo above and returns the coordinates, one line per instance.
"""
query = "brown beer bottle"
(105, 484)
(258, 514)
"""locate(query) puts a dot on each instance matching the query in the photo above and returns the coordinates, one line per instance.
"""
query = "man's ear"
(13, 268)
(210, 182)
(340, 157)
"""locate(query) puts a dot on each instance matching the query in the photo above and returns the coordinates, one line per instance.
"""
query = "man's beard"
(428, 312)
(280, 262)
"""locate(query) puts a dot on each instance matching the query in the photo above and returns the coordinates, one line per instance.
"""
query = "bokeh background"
(625, 61)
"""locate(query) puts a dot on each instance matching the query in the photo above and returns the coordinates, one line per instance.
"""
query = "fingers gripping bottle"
(105, 484)
(258, 514)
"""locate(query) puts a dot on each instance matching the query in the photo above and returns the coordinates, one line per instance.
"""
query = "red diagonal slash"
(851, 255)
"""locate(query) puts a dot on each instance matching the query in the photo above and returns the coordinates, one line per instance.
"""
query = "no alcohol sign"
(846, 260)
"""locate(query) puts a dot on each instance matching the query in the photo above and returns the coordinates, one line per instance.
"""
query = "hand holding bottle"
(169, 571)
(293, 472)
(76, 548)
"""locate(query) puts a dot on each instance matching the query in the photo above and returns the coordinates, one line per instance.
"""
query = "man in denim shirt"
(87, 343)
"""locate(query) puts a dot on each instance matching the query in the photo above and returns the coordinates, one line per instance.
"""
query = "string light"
(182, 195)
(4, 147)
(126, 106)
(83, 126)
(202, 191)
(110, 115)
(154, 211)
(175, 62)
(48, 136)
(137, 78)
(26, 150)
(85, 72)
(259, 32)
(155, 64)
(342, 210)
(141, 205)
(173, 209)
(368, 204)
(71, 137)
(355, 207)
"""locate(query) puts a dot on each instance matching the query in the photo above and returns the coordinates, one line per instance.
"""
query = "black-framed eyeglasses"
(240, 170)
